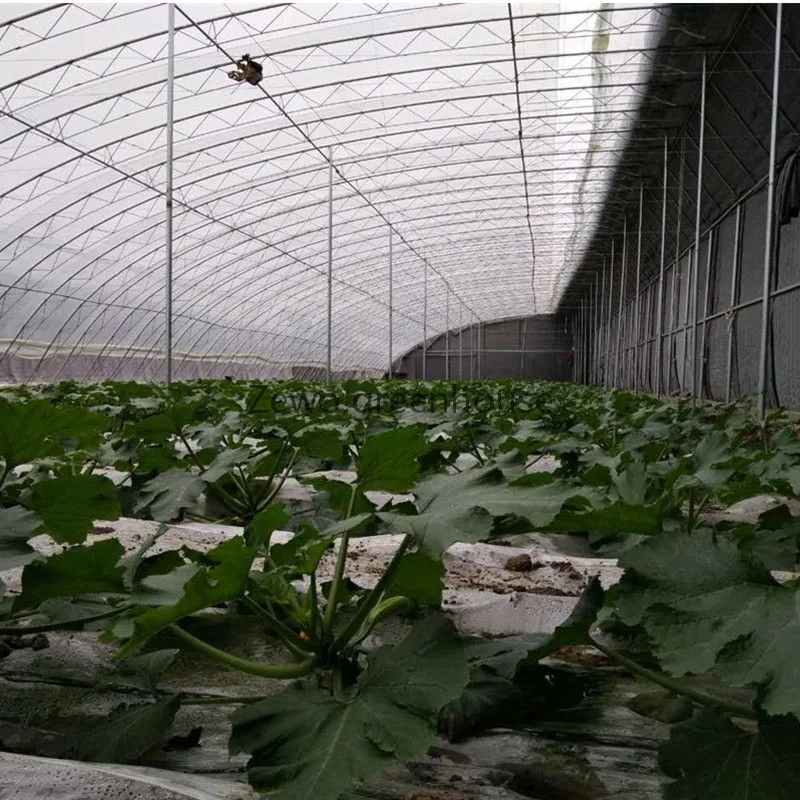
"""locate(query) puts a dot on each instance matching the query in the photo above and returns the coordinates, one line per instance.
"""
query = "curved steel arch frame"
(475, 138)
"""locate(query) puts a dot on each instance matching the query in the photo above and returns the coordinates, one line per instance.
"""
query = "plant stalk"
(676, 686)
(246, 665)
(299, 647)
(338, 574)
(371, 600)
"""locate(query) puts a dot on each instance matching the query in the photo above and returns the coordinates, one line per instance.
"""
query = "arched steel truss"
(480, 138)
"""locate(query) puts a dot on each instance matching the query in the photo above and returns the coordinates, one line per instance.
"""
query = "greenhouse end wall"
(526, 348)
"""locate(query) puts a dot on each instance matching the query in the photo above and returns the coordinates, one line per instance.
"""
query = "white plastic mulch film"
(419, 106)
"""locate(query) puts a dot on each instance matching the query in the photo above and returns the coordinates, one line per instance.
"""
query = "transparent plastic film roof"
(469, 146)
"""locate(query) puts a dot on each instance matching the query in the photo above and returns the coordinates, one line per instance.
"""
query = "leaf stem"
(220, 701)
(274, 493)
(371, 600)
(676, 686)
(64, 625)
(246, 665)
(298, 646)
(338, 574)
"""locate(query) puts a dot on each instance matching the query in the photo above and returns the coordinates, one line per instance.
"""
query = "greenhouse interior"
(399, 401)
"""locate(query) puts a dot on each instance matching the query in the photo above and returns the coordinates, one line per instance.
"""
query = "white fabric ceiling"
(419, 106)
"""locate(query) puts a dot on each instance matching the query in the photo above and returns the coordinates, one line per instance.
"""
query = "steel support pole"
(169, 189)
(328, 369)
(424, 320)
(676, 268)
(701, 355)
(472, 351)
(447, 334)
(733, 300)
(697, 219)
(602, 363)
(609, 377)
(460, 342)
(479, 333)
(637, 313)
(766, 302)
(587, 336)
(618, 360)
(587, 310)
(595, 329)
(687, 323)
(391, 306)
(660, 296)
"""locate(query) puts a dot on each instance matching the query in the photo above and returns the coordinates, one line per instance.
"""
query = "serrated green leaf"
(389, 461)
(259, 530)
(710, 758)
(464, 507)
(302, 553)
(340, 494)
(505, 656)
(306, 744)
(140, 672)
(123, 736)
(69, 505)
(17, 525)
(169, 494)
(207, 587)
(224, 463)
(708, 608)
(420, 578)
(90, 569)
(36, 429)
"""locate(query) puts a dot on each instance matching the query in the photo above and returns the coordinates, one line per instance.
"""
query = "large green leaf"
(140, 672)
(123, 736)
(36, 429)
(208, 586)
(708, 607)
(500, 688)
(710, 758)
(420, 578)
(169, 494)
(17, 525)
(91, 569)
(464, 507)
(69, 505)
(309, 745)
(389, 461)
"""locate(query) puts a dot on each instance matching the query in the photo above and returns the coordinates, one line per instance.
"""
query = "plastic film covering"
(481, 137)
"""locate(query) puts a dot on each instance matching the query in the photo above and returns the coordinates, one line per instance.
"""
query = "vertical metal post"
(637, 333)
(676, 268)
(733, 300)
(582, 335)
(328, 370)
(472, 351)
(766, 302)
(595, 327)
(587, 337)
(609, 377)
(169, 171)
(701, 358)
(660, 296)
(447, 334)
(424, 320)
(698, 212)
(602, 363)
(617, 360)
(391, 306)
(479, 333)
(460, 340)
